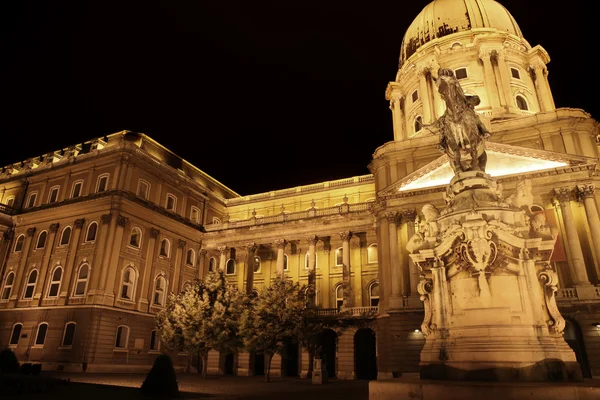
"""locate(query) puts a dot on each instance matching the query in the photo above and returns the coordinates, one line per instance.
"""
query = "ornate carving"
(8, 234)
(79, 223)
(424, 288)
(154, 233)
(203, 252)
(523, 196)
(355, 242)
(409, 215)
(312, 239)
(345, 236)
(106, 218)
(121, 220)
(54, 227)
(222, 249)
(563, 195)
(584, 191)
(280, 243)
(550, 280)
(480, 252)
(181, 243)
(392, 217)
(251, 247)
(31, 231)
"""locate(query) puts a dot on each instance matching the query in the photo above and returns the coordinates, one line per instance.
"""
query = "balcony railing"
(370, 311)
(4, 209)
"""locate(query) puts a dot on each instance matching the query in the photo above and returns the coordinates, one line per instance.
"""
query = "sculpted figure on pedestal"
(428, 231)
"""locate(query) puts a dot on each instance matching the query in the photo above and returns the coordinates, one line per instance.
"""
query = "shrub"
(36, 369)
(161, 380)
(8, 362)
(25, 369)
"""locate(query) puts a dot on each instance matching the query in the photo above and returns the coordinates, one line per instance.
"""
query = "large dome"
(445, 17)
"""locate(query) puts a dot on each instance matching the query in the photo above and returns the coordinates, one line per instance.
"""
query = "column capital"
(203, 252)
(584, 191)
(409, 215)
(181, 243)
(54, 227)
(31, 231)
(345, 236)
(154, 233)
(79, 223)
(392, 217)
(121, 220)
(222, 249)
(485, 54)
(312, 239)
(251, 246)
(280, 243)
(563, 195)
(105, 218)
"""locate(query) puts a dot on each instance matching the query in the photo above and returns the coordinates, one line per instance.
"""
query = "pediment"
(503, 160)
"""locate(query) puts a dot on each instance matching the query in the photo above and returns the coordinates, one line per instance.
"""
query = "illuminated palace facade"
(95, 236)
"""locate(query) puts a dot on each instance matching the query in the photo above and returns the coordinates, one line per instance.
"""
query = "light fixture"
(416, 330)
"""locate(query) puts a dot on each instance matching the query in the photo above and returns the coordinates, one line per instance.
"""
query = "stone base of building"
(406, 388)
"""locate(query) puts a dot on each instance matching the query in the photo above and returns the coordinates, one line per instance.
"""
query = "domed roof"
(445, 17)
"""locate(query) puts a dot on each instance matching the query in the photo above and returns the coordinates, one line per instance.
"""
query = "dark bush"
(36, 369)
(8, 362)
(161, 380)
(11, 384)
(25, 369)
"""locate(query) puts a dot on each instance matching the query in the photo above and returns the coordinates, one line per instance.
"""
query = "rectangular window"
(171, 202)
(53, 196)
(143, 190)
(31, 200)
(76, 190)
(461, 73)
(515, 73)
(415, 96)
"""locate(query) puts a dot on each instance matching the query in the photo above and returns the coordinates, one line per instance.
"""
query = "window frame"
(131, 285)
(139, 240)
(8, 200)
(30, 284)
(87, 232)
(73, 186)
(522, 96)
(413, 94)
(256, 270)
(53, 282)
(174, 198)
(212, 264)
(156, 348)
(160, 291)
(119, 335)
(12, 333)
(341, 252)
(10, 286)
(78, 279)
(370, 291)
(339, 301)
(31, 199)
(227, 267)
(512, 73)
(37, 335)
(39, 237)
(21, 236)
(369, 259)
(216, 221)
(306, 260)
(285, 262)
(53, 189)
(187, 257)
(197, 219)
(461, 68)
(62, 235)
(167, 248)
(418, 120)
(62, 342)
(148, 186)
(99, 179)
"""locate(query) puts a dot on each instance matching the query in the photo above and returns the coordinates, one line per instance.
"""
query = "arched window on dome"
(418, 125)
(522, 103)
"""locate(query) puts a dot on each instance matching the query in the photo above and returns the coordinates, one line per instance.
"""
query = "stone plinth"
(488, 289)
(415, 388)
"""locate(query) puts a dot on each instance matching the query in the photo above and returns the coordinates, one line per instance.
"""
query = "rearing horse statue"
(462, 132)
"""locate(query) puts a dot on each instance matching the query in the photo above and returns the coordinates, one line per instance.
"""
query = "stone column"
(504, 78)
(398, 117)
(115, 254)
(177, 266)
(312, 262)
(43, 277)
(100, 270)
(67, 289)
(409, 216)
(544, 95)
(22, 269)
(202, 263)
(345, 236)
(146, 297)
(395, 299)
(424, 95)
(586, 193)
(280, 256)
(489, 78)
(251, 246)
(563, 195)
(223, 258)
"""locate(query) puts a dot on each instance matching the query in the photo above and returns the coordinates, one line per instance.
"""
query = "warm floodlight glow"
(499, 164)
(416, 330)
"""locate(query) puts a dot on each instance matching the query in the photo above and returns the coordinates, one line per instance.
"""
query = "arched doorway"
(574, 339)
(327, 343)
(228, 369)
(258, 365)
(365, 354)
(290, 358)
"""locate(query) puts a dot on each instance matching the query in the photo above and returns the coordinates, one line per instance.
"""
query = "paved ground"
(222, 387)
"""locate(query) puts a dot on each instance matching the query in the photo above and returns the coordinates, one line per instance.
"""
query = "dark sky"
(262, 95)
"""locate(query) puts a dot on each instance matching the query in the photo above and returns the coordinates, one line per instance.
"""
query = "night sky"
(262, 95)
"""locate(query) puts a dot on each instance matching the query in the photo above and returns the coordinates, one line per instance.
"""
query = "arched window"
(82, 280)
(135, 238)
(285, 262)
(41, 242)
(69, 334)
(31, 199)
(216, 221)
(374, 294)
(418, 124)
(15, 334)
(339, 295)
(154, 342)
(55, 282)
(53, 194)
(40, 337)
(143, 189)
(10, 201)
(65, 236)
(339, 257)
(92, 229)
(522, 103)
(122, 337)
(8, 285)
(195, 215)
(128, 283)
(372, 256)
(212, 264)
(30, 286)
(536, 209)
(190, 257)
(165, 248)
(256, 264)
(307, 258)
(160, 287)
(186, 286)
(102, 183)
(76, 189)
(230, 266)
(171, 204)
(19, 244)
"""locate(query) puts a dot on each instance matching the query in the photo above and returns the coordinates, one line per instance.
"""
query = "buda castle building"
(95, 236)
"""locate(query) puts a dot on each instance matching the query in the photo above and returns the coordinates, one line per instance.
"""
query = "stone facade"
(98, 233)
